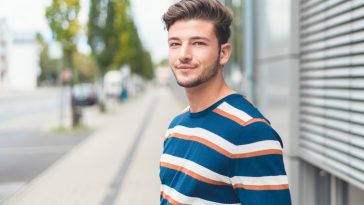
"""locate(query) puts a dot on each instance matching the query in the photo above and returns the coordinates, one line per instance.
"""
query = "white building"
(23, 68)
(19, 58)
(4, 49)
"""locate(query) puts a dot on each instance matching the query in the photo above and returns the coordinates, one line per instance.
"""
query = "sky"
(148, 17)
(28, 16)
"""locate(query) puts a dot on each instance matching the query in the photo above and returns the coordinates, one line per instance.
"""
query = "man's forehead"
(192, 29)
(192, 23)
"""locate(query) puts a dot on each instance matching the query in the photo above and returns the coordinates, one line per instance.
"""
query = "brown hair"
(211, 10)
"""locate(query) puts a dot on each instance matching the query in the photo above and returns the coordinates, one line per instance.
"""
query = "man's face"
(193, 52)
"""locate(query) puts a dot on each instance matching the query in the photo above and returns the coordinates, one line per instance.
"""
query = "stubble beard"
(202, 78)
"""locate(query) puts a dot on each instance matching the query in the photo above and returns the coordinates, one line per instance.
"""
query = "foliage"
(86, 68)
(148, 71)
(48, 67)
(114, 39)
(62, 17)
(164, 63)
(99, 37)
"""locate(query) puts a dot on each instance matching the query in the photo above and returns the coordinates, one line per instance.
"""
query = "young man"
(221, 150)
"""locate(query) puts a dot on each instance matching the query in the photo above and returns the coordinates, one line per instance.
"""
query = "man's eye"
(173, 44)
(198, 43)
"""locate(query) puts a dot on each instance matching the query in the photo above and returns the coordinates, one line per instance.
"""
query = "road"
(27, 143)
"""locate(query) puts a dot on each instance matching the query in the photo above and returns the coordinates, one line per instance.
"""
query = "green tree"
(148, 67)
(130, 49)
(48, 67)
(114, 38)
(62, 17)
(101, 36)
(164, 62)
(95, 27)
(86, 68)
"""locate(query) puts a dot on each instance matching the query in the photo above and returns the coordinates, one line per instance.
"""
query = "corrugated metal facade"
(332, 87)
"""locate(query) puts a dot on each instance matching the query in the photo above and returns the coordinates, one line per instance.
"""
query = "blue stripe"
(228, 129)
(256, 132)
(271, 197)
(198, 153)
(267, 165)
(206, 191)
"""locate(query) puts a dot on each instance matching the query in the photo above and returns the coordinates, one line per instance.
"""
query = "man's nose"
(185, 54)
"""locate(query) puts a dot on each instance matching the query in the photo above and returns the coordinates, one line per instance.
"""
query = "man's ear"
(225, 53)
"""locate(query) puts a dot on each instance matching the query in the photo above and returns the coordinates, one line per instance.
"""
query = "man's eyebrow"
(173, 38)
(193, 38)
(200, 38)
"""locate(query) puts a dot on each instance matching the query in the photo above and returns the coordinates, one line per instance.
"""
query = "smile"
(186, 67)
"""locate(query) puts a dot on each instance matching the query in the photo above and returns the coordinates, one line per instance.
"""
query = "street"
(28, 142)
(115, 161)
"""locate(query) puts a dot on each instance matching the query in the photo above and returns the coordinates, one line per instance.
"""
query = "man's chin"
(185, 85)
(190, 84)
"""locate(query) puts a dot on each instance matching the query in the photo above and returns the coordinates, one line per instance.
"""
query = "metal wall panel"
(332, 87)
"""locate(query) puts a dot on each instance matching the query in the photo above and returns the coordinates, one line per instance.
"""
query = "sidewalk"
(118, 164)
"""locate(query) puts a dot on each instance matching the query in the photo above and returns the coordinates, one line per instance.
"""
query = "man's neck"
(206, 94)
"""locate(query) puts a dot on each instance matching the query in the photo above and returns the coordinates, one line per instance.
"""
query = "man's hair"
(210, 10)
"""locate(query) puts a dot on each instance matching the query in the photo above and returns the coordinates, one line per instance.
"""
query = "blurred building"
(4, 49)
(19, 58)
(302, 62)
(23, 62)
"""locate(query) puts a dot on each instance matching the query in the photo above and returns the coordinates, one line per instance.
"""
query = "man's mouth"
(186, 67)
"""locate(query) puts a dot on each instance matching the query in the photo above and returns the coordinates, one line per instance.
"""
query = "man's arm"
(258, 173)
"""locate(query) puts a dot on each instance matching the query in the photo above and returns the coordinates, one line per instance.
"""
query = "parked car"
(84, 94)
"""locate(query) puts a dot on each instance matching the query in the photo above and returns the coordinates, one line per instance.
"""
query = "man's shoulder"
(253, 126)
(181, 116)
(241, 110)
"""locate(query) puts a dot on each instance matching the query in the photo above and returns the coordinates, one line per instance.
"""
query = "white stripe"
(226, 145)
(259, 146)
(183, 199)
(260, 181)
(192, 166)
(187, 109)
(234, 111)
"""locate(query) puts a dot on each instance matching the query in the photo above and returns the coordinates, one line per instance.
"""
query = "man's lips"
(185, 67)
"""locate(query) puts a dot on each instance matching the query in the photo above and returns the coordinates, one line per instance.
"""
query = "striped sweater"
(225, 154)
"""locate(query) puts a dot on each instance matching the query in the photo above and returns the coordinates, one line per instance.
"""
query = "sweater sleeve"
(257, 171)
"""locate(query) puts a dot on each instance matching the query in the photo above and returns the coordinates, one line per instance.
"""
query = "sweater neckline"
(211, 107)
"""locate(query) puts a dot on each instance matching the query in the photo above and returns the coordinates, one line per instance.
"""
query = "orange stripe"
(170, 200)
(256, 120)
(193, 174)
(202, 141)
(238, 120)
(223, 151)
(262, 187)
(258, 153)
(230, 116)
